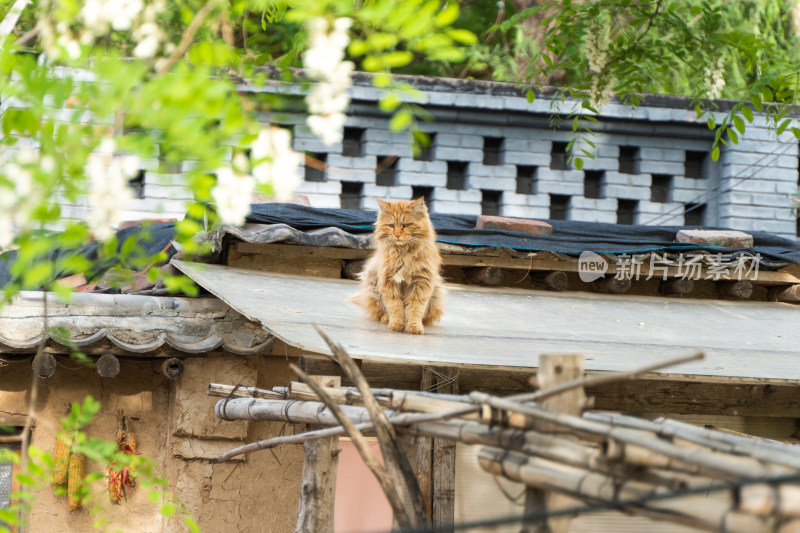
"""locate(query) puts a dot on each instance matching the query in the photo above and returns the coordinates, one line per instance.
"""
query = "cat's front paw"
(415, 328)
(396, 325)
(384, 319)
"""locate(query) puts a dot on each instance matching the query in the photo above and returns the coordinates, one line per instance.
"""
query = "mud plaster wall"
(176, 427)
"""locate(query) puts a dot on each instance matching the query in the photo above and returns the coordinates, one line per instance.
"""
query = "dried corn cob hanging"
(77, 471)
(114, 483)
(61, 461)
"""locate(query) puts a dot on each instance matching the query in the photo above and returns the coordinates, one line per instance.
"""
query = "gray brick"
(449, 195)
(598, 204)
(422, 179)
(536, 212)
(560, 187)
(399, 192)
(498, 171)
(588, 215)
(679, 182)
(527, 158)
(495, 184)
(368, 162)
(459, 154)
(470, 141)
(346, 174)
(448, 139)
(324, 201)
(568, 176)
(600, 163)
(456, 208)
(320, 187)
(661, 167)
(627, 192)
(168, 192)
(399, 149)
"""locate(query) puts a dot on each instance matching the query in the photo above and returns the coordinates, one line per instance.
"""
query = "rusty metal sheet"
(503, 327)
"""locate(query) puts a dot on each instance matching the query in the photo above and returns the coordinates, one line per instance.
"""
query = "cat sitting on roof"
(401, 282)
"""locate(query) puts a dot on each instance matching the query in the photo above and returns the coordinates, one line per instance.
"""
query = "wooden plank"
(537, 261)
(318, 486)
(553, 371)
(656, 395)
(423, 448)
(444, 458)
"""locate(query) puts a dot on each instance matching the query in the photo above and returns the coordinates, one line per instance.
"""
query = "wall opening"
(559, 156)
(492, 151)
(352, 192)
(593, 181)
(386, 171)
(661, 188)
(316, 162)
(526, 179)
(136, 184)
(457, 175)
(422, 192)
(353, 142)
(559, 206)
(694, 215)
(490, 202)
(626, 211)
(628, 159)
(693, 166)
(426, 152)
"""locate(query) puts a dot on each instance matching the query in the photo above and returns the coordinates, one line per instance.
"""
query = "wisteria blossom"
(324, 63)
(19, 195)
(276, 163)
(602, 88)
(713, 78)
(108, 192)
(232, 195)
(97, 18)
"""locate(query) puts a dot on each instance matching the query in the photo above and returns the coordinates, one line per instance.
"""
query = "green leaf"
(358, 48)
(747, 113)
(578, 162)
(738, 123)
(715, 153)
(783, 125)
(756, 102)
(711, 124)
(389, 102)
(530, 96)
(191, 524)
(448, 15)
(449, 54)
(382, 81)
(398, 58)
(462, 36)
(400, 120)
(732, 136)
(26, 479)
(795, 132)
(168, 509)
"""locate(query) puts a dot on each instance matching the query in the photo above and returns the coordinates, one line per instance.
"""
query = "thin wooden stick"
(705, 461)
(300, 438)
(394, 457)
(387, 484)
(232, 391)
(188, 35)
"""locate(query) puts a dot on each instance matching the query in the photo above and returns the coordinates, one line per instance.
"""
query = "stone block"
(725, 238)
(536, 227)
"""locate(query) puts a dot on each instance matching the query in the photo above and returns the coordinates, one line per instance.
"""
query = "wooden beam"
(555, 370)
(424, 452)
(318, 486)
(444, 459)
(656, 393)
(501, 259)
(785, 294)
(738, 290)
(484, 275)
(554, 281)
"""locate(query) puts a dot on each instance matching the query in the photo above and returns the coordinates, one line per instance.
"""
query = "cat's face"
(402, 223)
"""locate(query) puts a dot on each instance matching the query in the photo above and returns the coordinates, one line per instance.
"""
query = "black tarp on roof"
(569, 237)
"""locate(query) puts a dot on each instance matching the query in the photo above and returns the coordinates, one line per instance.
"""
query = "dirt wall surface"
(175, 426)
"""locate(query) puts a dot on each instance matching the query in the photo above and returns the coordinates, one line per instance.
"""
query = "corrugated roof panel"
(503, 327)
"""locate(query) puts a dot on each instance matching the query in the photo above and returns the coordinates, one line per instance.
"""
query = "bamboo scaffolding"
(236, 391)
(759, 448)
(713, 512)
(708, 463)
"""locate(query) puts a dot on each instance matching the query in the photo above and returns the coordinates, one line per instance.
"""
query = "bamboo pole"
(759, 448)
(707, 462)
(231, 391)
(387, 483)
(713, 512)
(301, 391)
(394, 457)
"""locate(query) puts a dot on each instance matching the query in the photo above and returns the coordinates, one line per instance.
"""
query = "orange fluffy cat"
(401, 284)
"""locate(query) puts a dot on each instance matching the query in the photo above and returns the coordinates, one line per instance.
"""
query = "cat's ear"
(418, 206)
(382, 205)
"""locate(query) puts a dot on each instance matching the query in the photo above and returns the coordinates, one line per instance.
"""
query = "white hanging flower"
(595, 50)
(108, 187)
(282, 168)
(324, 63)
(714, 81)
(232, 195)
